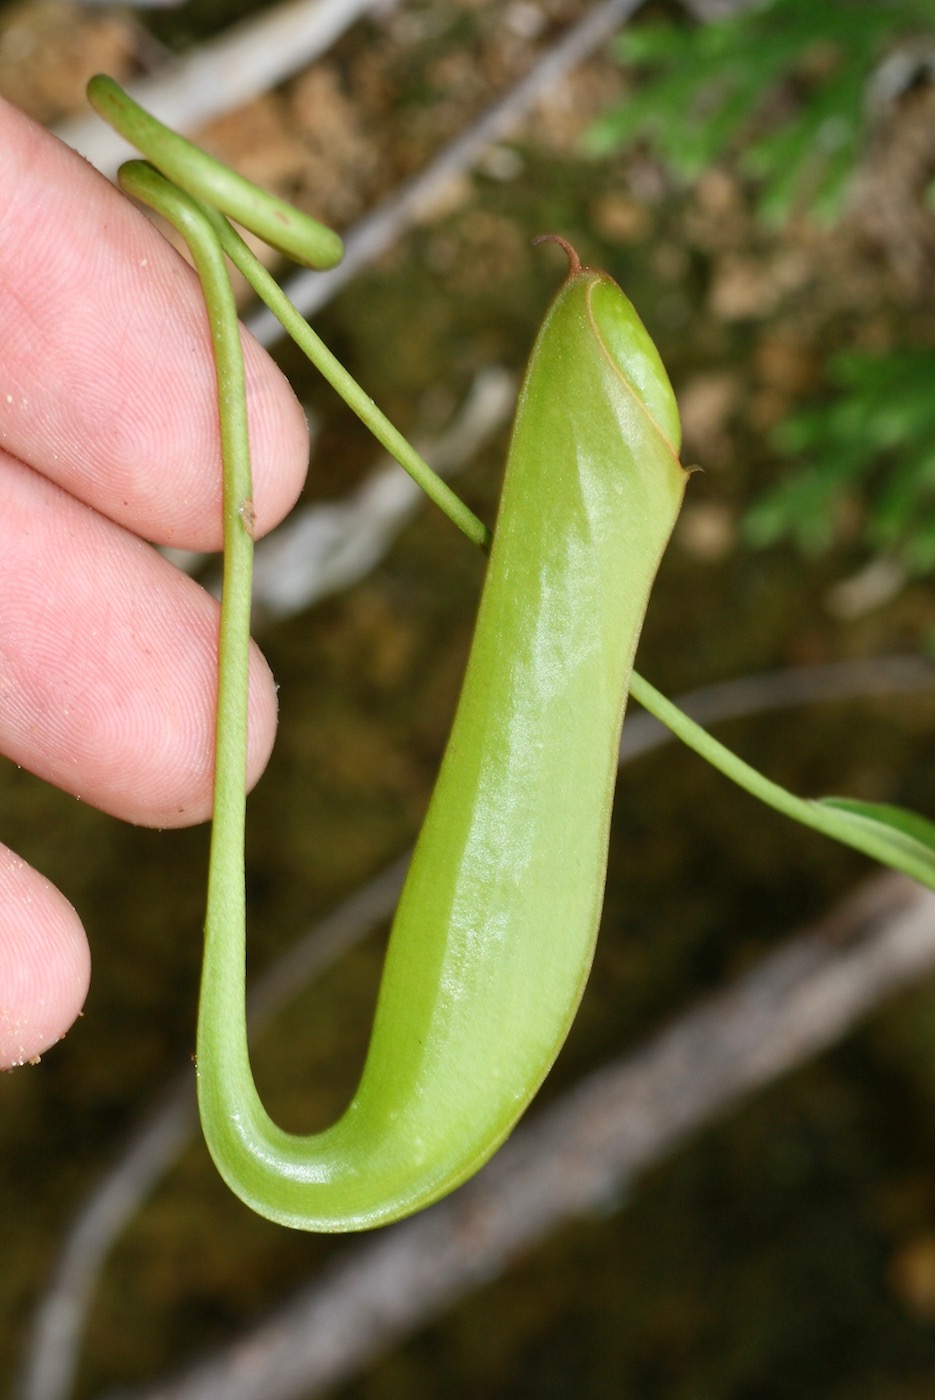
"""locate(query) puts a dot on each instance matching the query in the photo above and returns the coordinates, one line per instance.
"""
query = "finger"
(106, 373)
(108, 661)
(45, 964)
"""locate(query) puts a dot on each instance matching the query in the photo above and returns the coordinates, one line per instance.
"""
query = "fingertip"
(45, 963)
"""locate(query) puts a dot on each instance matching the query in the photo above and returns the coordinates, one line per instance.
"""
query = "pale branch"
(225, 73)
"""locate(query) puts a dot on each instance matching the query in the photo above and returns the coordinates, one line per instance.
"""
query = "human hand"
(108, 439)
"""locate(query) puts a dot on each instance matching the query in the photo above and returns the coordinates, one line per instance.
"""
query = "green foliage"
(781, 86)
(877, 439)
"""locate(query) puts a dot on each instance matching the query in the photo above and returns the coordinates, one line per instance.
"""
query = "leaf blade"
(901, 838)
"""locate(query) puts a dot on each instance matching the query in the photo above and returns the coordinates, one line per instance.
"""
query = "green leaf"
(872, 444)
(899, 837)
(780, 87)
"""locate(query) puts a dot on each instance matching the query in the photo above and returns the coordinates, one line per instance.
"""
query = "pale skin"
(108, 441)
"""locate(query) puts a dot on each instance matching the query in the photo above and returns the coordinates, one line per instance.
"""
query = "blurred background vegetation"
(792, 96)
(761, 185)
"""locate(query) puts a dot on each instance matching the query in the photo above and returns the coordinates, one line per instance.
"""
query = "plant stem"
(344, 383)
(882, 844)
